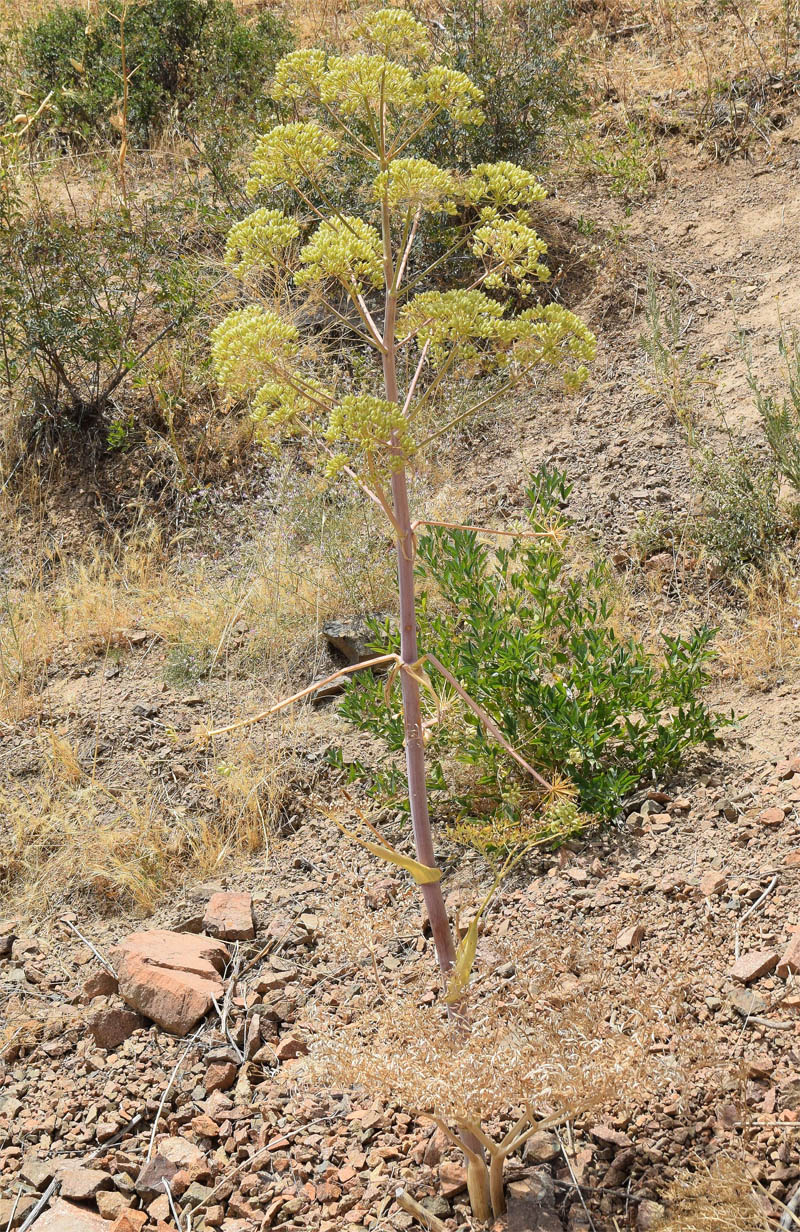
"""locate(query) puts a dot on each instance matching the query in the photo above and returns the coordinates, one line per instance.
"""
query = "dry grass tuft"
(68, 837)
(716, 1199)
(554, 1046)
(765, 641)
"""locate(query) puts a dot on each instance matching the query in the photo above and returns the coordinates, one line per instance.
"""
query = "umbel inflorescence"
(371, 108)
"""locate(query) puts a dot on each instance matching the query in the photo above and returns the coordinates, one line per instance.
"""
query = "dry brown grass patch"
(720, 1198)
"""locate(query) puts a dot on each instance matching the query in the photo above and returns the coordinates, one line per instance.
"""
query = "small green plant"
(630, 160)
(663, 343)
(534, 644)
(741, 527)
(780, 416)
(179, 53)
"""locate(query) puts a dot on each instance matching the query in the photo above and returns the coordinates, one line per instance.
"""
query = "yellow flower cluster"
(259, 240)
(371, 424)
(502, 184)
(416, 183)
(299, 74)
(451, 91)
(551, 334)
(351, 82)
(248, 346)
(344, 248)
(394, 32)
(512, 250)
(289, 154)
(451, 319)
(281, 409)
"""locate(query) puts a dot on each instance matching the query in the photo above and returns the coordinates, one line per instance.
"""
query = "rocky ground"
(112, 1084)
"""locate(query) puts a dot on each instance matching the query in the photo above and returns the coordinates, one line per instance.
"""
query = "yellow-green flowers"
(372, 425)
(259, 241)
(291, 154)
(511, 251)
(415, 183)
(249, 346)
(345, 248)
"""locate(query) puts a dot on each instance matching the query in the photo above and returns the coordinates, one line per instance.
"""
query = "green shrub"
(529, 76)
(180, 53)
(741, 527)
(534, 643)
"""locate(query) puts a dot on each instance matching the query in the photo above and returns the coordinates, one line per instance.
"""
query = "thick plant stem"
(412, 718)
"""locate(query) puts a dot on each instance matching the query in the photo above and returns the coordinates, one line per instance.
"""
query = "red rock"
(786, 769)
(81, 1184)
(110, 1025)
(452, 1179)
(792, 859)
(129, 1221)
(230, 916)
(110, 1205)
(291, 1046)
(220, 1076)
(150, 1181)
(753, 965)
(630, 938)
(712, 882)
(771, 816)
(171, 977)
(607, 1136)
(205, 1126)
(65, 1217)
(100, 984)
(790, 962)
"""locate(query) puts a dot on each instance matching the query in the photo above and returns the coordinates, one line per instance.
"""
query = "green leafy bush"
(534, 643)
(179, 53)
(516, 53)
(741, 527)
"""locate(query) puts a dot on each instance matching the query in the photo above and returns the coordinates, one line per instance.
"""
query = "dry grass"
(672, 46)
(68, 836)
(765, 641)
(721, 1198)
(557, 1046)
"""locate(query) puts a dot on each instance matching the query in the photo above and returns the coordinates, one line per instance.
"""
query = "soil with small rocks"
(696, 893)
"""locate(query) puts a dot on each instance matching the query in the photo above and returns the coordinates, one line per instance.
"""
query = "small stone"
(542, 1148)
(746, 1002)
(172, 978)
(82, 1184)
(790, 961)
(150, 1181)
(110, 1205)
(66, 1217)
(99, 984)
(771, 816)
(753, 965)
(607, 1136)
(713, 882)
(786, 769)
(630, 938)
(760, 1066)
(452, 1179)
(220, 1076)
(792, 859)
(111, 1024)
(229, 916)
(129, 1221)
(291, 1046)
(36, 1173)
(649, 1215)
(23, 1206)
